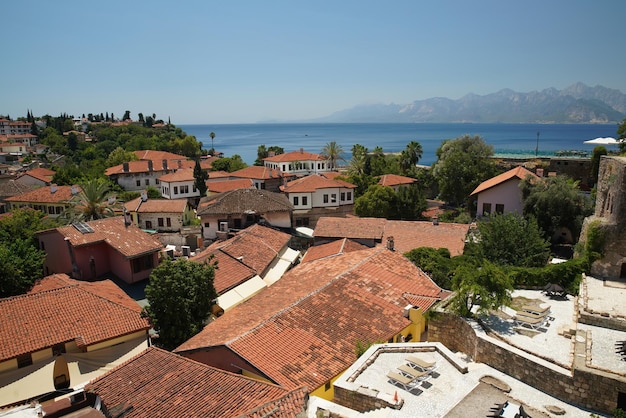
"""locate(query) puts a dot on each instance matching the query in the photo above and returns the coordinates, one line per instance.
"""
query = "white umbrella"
(604, 141)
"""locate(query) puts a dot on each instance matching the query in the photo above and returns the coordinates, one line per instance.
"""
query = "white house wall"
(173, 190)
(507, 194)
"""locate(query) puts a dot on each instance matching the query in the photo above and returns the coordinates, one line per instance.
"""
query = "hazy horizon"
(212, 62)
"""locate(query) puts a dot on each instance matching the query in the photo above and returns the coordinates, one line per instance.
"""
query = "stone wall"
(584, 386)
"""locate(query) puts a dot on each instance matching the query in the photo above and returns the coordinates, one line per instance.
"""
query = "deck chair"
(533, 323)
(536, 309)
(409, 371)
(418, 363)
(406, 383)
(530, 314)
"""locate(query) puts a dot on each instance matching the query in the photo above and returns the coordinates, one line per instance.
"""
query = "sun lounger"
(418, 363)
(410, 372)
(533, 323)
(536, 309)
(407, 383)
(531, 314)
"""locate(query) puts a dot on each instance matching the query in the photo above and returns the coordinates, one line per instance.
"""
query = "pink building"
(501, 193)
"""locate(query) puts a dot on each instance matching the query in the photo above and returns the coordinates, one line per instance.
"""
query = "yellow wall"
(117, 340)
(329, 394)
(247, 373)
(8, 365)
(416, 328)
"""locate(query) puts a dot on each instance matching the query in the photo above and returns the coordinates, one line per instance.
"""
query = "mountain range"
(577, 103)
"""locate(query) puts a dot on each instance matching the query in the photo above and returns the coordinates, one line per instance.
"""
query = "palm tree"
(358, 163)
(212, 135)
(91, 202)
(332, 151)
(414, 152)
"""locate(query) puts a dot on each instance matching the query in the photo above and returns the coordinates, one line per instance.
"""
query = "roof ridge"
(313, 293)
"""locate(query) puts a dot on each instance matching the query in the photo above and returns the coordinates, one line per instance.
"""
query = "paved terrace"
(459, 387)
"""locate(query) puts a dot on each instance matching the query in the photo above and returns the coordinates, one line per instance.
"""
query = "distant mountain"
(577, 103)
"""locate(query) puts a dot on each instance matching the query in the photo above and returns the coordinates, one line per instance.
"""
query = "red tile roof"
(355, 228)
(142, 166)
(313, 182)
(295, 156)
(302, 329)
(229, 271)
(160, 383)
(163, 206)
(158, 155)
(518, 172)
(395, 180)
(178, 175)
(243, 201)
(128, 240)
(220, 174)
(65, 310)
(44, 194)
(258, 173)
(39, 173)
(338, 247)
(227, 185)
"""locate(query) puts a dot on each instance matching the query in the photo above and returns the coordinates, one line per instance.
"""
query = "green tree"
(262, 152)
(621, 134)
(484, 287)
(598, 152)
(359, 164)
(68, 175)
(510, 240)
(462, 164)
(153, 192)
(180, 296)
(119, 156)
(21, 264)
(410, 202)
(200, 177)
(557, 203)
(333, 152)
(436, 262)
(91, 202)
(410, 156)
(126, 115)
(212, 135)
(228, 164)
(377, 202)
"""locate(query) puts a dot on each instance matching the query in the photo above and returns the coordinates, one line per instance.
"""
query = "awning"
(280, 265)
(240, 293)
(306, 232)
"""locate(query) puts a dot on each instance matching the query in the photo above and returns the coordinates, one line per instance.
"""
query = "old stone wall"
(584, 386)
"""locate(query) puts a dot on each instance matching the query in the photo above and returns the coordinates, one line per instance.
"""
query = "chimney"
(301, 150)
(127, 219)
(435, 220)
(540, 172)
(165, 165)
(144, 195)
(53, 188)
(125, 167)
(390, 243)
(74, 190)
(271, 153)
(150, 168)
(180, 163)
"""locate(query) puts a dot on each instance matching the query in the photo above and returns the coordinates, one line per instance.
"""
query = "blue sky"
(248, 61)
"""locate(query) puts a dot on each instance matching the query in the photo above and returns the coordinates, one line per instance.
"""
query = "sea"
(508, 140)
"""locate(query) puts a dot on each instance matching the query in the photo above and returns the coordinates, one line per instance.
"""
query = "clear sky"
(211, 61)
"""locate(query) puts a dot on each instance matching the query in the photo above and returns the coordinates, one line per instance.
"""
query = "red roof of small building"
(244, 201)
(258, 173)
(355, 228)
(395, 180)
(229, 271)
(160, 383)
(177, 176)
(128, 240)
(518, 172)
(292, 156)
(45, 194)
(162, 206)
(66, 310)
(149, 154)
(227, 185)
(338, 247)
(143, 166)
(39, 173)
(313, 182)
(302, 329)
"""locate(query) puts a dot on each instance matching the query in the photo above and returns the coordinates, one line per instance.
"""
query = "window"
(349, 195)
(262, 186)
(184, 189)
(148, 224)
(42, 246)
(57, 210)
(305, 200)
(156, 181)
(58, 349)
(325, 198)
(327, 385)
(333, 198)
(343, 196)
(486, 208)
(138, 183)
(147, 182)
(499, 208)
(295, 201)
(160, 221)
(24, 360)
(206, 224)
(175, 189)
(142, 263)
(168, 221)
(50, 210)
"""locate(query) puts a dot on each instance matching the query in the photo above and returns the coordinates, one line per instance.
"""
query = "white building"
(179, 184)
(298, 162)
(501, 194)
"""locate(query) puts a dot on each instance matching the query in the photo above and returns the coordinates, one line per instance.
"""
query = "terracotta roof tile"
(158, 155)
(220, 174)
(229, 273)
(295, 156)
(408, 235)
(86, 313)
(313, 182)
(39, 173)
(142, 166)
(333, 248)
(162, 206)
(301, 330)
(15, 188)
(395, 180)
(244, 200)
(160, 383)
(228, 185)
(370, 228)
(518, 172)
(178, 175)
(332, 174)
(128, 240)
(44, 195)
(259, 173)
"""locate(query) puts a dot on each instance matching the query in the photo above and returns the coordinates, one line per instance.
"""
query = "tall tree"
(333, 152)
(200, 177)
(180, 296)
(621, 134)
(377, 202)
(126, 115)
(359, 163)
(91, 202)
(414, 152)
(462, 164)
(212, 135)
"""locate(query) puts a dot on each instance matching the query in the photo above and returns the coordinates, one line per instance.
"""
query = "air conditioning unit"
(224, 226)
(406, 310)
(186, 250)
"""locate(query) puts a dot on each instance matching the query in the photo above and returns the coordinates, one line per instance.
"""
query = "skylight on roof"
(83, 227)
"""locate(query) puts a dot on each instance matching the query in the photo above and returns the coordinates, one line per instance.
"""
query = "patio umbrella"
(603, 141)
(553, 288)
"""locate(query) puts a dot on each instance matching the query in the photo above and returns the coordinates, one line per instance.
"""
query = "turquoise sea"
(506, 139)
